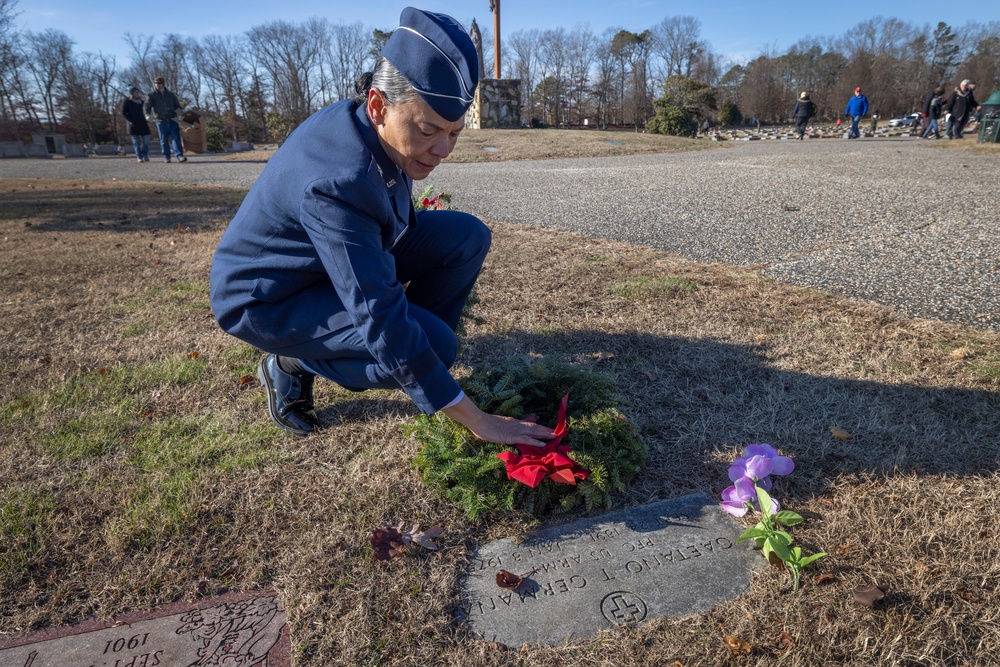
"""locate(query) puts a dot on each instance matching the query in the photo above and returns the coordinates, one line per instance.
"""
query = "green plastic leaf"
(765, 501)
(751, 533)
(779, 547)
(788, 518)
(808, 559)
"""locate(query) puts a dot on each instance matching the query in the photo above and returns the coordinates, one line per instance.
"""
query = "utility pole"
(495, 8)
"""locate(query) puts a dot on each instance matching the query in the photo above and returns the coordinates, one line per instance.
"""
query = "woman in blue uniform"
(313, 266)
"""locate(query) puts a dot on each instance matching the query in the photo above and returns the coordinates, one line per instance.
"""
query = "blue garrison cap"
(438, 58)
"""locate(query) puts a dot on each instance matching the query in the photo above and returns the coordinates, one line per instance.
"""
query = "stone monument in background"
(497, 101)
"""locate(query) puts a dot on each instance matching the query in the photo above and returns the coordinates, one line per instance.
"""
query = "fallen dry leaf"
(839, 433)
(737, 645)
(823, 579)
(968, 595)
(785, 640)
(508, 580)
(246, 379)
(194, 355)
(386, 543)
(960, 353)
(869, 595)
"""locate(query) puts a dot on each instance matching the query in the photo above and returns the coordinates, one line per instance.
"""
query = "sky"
(737, 29)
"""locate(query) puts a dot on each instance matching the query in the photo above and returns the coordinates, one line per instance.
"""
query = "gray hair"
(386, 78)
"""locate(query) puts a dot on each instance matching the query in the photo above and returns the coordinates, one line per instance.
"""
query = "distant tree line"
(259, 85)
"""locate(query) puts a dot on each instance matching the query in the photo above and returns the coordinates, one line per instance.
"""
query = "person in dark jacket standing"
(137, 125)
(328, 268)
(961, 104)
(162, 106)
(857, 107)
(803, 111)
(932, 110)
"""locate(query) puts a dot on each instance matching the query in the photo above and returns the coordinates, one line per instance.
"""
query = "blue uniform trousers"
(440, 258)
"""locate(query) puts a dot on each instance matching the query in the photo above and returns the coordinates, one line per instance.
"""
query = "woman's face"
(414, 136)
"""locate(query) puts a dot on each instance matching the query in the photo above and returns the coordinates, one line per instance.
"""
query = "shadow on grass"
(148, 207)
(697, 401)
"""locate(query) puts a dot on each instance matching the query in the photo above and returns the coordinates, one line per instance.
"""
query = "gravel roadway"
(894, 221)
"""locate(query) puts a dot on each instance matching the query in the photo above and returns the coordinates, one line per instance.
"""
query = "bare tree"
(554, 59)
(526, 47)
(581, 53)
(288, 53)
(676, 41)
(48, 53)
(349, 56)
(8, 12)
(632, 51)
(19, 98)
(222, 63)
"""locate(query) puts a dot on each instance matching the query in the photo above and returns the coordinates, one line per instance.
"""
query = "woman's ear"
(376, 106)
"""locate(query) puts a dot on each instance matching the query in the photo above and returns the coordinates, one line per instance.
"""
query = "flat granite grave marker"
(671, 558)
(234, 629)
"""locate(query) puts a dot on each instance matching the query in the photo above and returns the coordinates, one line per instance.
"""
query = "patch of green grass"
(986, 371)
(241, 358)
(99, 411)
(172, 465)
(137, 329)
(644, 287)
(200, 443)
(189, 294)
(179, 295)
(22, 519)
(158, 470)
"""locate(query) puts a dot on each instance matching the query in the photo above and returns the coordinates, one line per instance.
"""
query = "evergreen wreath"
(467, 472)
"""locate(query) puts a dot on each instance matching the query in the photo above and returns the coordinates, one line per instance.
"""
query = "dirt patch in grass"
(138, 466)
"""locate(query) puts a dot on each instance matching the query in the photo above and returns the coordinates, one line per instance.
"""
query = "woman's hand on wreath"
(496, 428)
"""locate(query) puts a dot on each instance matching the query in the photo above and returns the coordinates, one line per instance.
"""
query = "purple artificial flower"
(780, 465)
(736, 497)
(739, 469)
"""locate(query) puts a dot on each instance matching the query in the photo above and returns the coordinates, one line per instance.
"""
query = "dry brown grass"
(105, 275)
(505, 145)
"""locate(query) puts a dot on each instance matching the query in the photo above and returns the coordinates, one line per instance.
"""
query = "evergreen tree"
(945, 55)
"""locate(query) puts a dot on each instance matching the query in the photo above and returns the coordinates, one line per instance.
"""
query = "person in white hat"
(803, 111)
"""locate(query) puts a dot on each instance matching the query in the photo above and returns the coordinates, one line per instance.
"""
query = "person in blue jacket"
(327, 267)
(857, 107)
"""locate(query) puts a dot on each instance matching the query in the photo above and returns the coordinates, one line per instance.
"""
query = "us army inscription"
(671, 558)
(236, 629)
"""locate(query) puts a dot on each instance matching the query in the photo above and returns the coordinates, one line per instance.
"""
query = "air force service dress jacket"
(310, 252)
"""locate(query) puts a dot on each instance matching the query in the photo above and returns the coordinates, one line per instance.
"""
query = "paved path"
(896, 221)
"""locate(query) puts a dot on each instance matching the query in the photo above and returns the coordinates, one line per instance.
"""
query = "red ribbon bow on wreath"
(534, 464)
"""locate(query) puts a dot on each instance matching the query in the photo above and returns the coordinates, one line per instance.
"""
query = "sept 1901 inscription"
(671, 558)
(239, 629)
